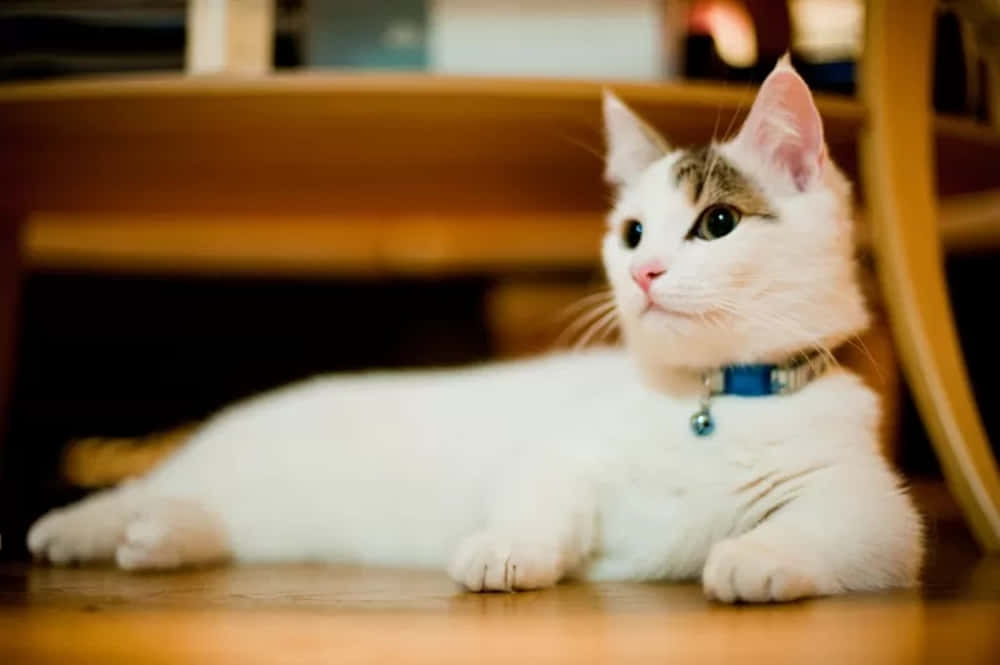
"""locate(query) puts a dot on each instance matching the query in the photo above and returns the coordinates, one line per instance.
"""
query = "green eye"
(716, 221)
(632, 233)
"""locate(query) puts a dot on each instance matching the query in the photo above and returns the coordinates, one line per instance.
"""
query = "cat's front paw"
(742, 569)
(494, 561)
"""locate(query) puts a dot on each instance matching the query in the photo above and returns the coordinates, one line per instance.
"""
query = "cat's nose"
(645, 274)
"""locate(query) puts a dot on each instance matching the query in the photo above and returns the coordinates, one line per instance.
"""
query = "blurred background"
(651, 40)
(124, 335)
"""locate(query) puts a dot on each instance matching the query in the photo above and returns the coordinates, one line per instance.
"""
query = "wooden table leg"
(897, 176)
(9, 270)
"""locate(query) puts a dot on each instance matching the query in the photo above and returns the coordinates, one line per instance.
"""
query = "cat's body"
(399, 468)
(516, 476)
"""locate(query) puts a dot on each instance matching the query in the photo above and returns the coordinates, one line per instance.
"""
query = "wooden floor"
(317, 614)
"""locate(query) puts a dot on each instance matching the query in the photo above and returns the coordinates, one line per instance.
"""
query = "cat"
(582, 465)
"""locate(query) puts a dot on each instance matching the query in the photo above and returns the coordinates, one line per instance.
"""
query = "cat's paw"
(493, 561)
(744, 570)
(151, 543)
(171, 534)
(86, 531)
(139, 534)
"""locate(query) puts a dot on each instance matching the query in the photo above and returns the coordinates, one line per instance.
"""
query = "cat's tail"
(97, 462)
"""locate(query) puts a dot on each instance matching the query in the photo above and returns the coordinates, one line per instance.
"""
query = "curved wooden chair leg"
(993, 87)
(897, 161)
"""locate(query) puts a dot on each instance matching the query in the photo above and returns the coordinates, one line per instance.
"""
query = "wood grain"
(337, 614)
(335, 173)
(370, 244)
(355, 146)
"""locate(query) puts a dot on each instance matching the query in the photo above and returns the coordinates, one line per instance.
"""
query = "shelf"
(304, 246)
(331, 172)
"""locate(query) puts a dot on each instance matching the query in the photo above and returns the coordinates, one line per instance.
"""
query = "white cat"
(585, 465)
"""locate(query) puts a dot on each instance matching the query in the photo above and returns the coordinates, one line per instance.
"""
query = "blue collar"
(755, 381)
(764, 380)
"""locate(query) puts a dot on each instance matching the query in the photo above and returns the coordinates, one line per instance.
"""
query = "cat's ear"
(784, 129)
(632, 144)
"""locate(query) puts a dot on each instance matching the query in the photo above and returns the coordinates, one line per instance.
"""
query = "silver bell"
(702, 423)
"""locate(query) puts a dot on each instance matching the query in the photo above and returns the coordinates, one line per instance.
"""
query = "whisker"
(718, 117)
(604, 295)
(739, 107)
(782, 323)
(859, 344)
(591, 330)
(589, 149)
(612, 327)
(608, 337)
(582, 321)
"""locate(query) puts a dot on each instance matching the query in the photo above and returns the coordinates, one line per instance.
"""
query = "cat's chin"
(668, 336)
(655, 310)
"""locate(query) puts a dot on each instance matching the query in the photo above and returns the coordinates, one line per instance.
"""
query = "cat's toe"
(742, 570)
(482, 564)
(489, 561)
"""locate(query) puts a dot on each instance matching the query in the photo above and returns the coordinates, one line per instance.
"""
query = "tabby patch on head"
(709, 178)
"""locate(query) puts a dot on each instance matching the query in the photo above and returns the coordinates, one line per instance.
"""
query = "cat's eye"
(632, 233)
(716, 221)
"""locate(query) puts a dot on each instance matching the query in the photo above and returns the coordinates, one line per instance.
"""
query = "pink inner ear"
(784, 127)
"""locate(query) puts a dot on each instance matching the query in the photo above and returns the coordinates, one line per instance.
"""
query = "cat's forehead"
(699, 177)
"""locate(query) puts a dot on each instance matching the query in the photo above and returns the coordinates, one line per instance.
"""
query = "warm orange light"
(731, 27)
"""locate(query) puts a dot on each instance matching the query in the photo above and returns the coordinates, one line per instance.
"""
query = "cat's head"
(736, 252)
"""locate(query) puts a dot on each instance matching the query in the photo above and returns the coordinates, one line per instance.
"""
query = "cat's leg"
(542, 527)
(138, 531)
(839, 529)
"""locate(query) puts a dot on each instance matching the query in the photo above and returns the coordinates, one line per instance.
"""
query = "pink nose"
(646, 273)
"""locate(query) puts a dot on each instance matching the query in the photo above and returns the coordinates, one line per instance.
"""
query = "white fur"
(515, 476)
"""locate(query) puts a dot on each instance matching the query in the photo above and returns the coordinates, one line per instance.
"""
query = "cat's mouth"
(653, 307)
